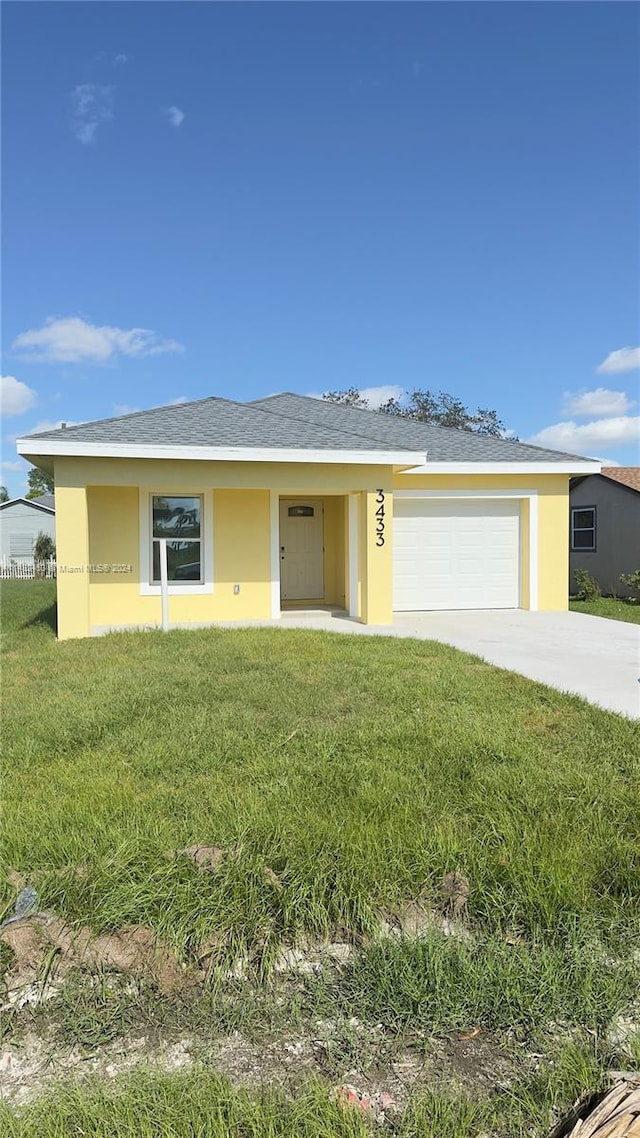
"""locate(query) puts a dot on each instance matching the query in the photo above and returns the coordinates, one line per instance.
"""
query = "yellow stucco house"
(221, 511)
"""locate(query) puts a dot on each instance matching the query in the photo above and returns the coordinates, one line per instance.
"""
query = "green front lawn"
(612, 608)
(356, 771)
(359, 769)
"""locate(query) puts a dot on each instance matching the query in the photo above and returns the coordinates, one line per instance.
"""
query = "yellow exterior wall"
(525, 582)
(72, 555)
(553, 546)
(376, 568)
(113, 539)
(107, 492)
(334, 551)
(553, 521)
(241, 556)
(289, 478)
(98, 523)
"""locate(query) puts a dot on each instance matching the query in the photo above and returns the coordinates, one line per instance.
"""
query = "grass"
(203, 1105)
(359, 770)
(437, 985)
(192, 1106)
(612, 608)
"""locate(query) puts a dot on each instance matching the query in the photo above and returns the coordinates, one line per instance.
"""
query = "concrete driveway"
(595, 658)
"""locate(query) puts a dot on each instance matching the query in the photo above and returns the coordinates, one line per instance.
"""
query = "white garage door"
(453, 553)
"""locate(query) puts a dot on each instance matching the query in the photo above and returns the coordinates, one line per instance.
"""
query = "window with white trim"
(179, 520)
(583, 529)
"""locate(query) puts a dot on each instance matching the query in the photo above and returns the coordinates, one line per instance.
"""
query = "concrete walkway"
(587, 655)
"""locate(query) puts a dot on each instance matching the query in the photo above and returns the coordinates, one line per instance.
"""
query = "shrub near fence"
(26, 570)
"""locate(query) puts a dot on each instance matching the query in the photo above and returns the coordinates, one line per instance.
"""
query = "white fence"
(26, 570)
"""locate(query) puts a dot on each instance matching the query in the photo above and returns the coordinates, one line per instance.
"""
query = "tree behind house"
(44, 549)
(441, 408)
(39, 483)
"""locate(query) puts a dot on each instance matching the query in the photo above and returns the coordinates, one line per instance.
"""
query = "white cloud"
(376, 396)
(16, 467)
(124, 409)
(624, 359)
(73, 340)
(91, 104)
(600, 403)
(48, 425)
(174, 115)
(121, 58)
(585, 438)
(16, 397)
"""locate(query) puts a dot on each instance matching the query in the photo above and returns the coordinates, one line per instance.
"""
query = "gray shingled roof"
(442, 444)
(299, 422)
(46, 500)
(218, 422)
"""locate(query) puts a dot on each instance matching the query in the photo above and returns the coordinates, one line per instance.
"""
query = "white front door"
(301, 552)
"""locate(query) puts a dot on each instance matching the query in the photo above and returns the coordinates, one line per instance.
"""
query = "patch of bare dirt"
(204, 857)
(478, 1064)
(416, 920)
(209, 859)
(380, 1073)
(45, 949)
(35, 1065)
(18, 880)
(455, 888)
(253, 1063)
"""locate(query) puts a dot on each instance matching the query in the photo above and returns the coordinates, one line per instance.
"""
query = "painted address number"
(379, 517)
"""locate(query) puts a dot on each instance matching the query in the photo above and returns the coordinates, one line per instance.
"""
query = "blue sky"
(237, 199)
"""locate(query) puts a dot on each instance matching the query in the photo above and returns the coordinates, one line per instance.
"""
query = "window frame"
(149, 588)
(583, 549)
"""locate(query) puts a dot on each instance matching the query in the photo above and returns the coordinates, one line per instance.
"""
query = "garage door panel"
(456, 553)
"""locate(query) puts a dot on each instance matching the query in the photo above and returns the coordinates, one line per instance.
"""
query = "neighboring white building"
(21, 520)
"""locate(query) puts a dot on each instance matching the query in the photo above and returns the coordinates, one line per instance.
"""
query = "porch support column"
(353, 555)
(376, 517)
(72, 558)
(274, 541)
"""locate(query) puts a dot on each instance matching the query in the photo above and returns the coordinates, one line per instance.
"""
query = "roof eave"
(29, 502)
(58, 448)
(529, 466)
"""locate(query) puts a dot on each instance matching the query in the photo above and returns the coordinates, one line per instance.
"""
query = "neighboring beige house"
(21, 520)
(604, 527)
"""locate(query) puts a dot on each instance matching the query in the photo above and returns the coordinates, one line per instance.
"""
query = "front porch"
(331, 555)
(313, 551)
(247, 554)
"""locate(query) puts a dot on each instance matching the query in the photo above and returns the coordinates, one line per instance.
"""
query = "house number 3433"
(379, 517)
